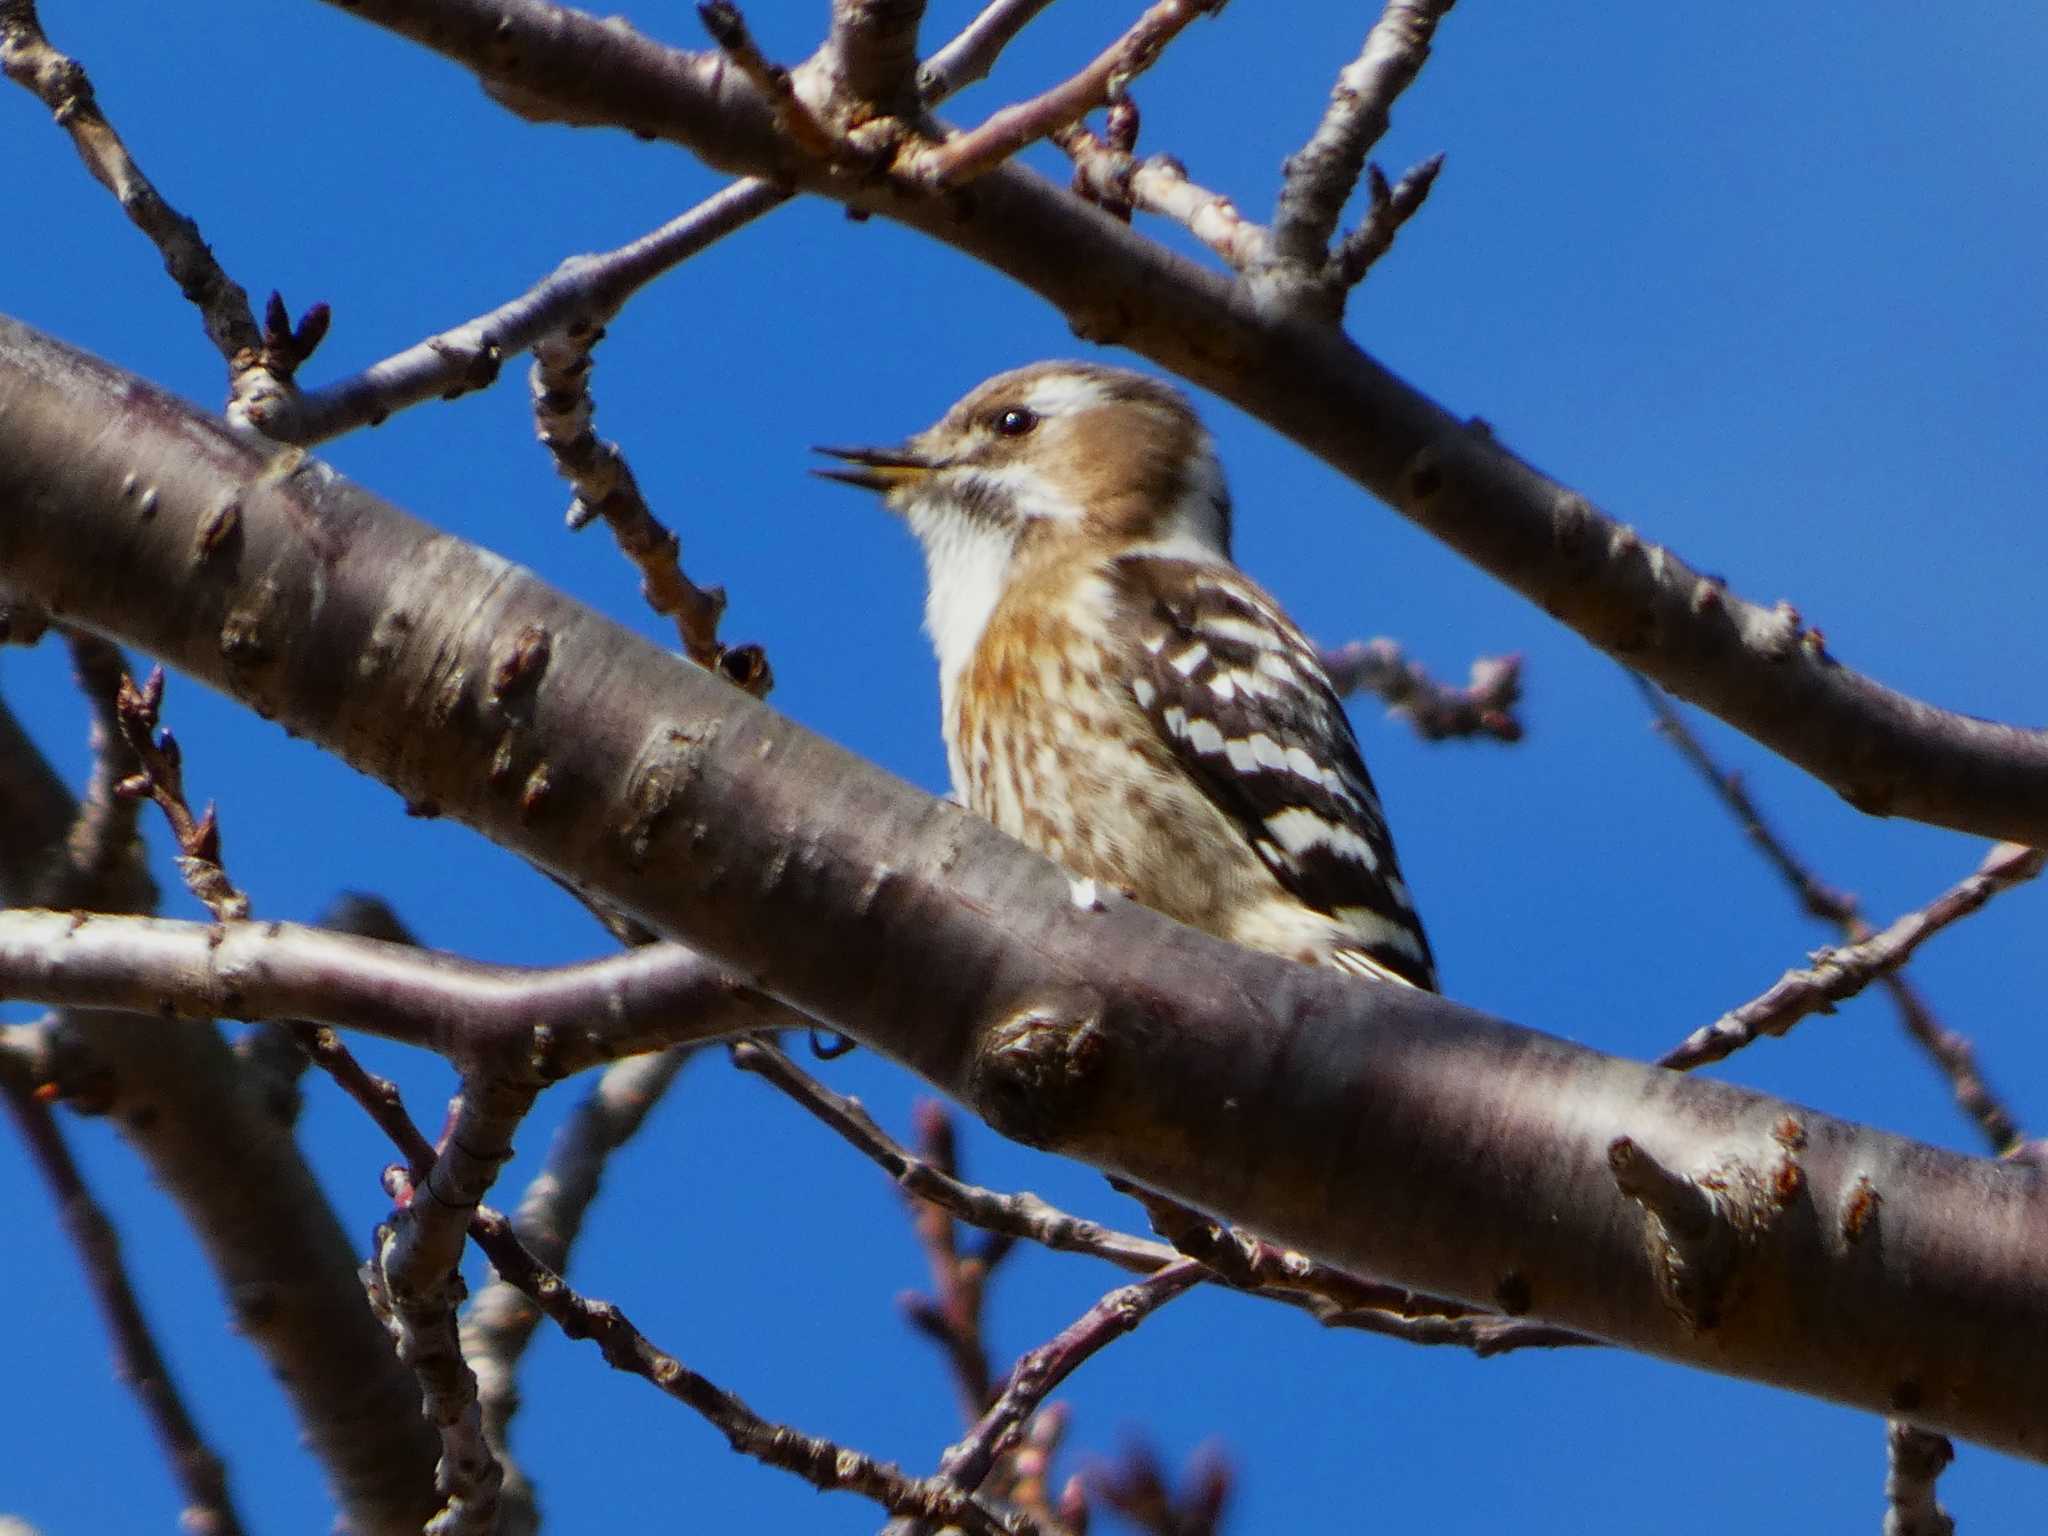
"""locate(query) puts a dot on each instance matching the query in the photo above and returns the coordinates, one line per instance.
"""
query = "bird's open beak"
(878, 469)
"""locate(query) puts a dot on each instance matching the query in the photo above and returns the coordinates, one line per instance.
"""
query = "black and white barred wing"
(1241, 697)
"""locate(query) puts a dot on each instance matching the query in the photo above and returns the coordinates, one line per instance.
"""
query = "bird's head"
(1049, 454)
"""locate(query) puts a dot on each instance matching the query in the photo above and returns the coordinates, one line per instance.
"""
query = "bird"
(1115, 693)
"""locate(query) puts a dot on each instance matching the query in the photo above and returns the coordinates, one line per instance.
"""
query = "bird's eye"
(1016, 421)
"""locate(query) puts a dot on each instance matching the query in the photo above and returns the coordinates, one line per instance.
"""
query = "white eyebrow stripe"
(1063, 394)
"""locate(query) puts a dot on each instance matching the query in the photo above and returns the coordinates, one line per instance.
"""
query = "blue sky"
(1767, 285)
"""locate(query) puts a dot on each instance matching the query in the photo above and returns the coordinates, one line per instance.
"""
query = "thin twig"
(103, 850)
(1320, 175)
(970, 56)
(1159, 184)
(1338, 1299)
(1391, 207)
(819, 1462)
(1485, 706)
(160, 777)
(1951, 1052)
(728, 28)
(1333, 1297)
(414, 1279)
(966, 155)
(500, 1321)
(1037, 1373)
(588, 288)
(1019, 1215)
(60, 81)
(952, 1315)
(277, 1052)
(468, 356)
(209, 1508)
(1022, 1479)
(1914, 1459)
(1841, 973)
(1815, 896)
(605, 487)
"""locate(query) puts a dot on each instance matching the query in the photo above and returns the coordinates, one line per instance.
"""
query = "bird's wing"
(1240, 697)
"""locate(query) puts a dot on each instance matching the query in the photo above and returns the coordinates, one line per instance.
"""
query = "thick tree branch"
(1375, 1128)
(1760, 669)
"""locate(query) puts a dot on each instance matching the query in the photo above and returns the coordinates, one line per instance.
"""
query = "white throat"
(966, 563)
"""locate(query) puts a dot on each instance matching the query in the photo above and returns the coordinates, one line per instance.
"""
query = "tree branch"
(605, 487)
(1760, 669)
(1485, 706)
(1109, 1035)
(1950, 1051)
(500, 1321)
(1322, 173)
(209, 1509)
(970, 56)
(1114, 179)
(468, 356)
(60, 82)
(536, 1025)
(283, 1263)
(820, 1462)
(872, 54)
(1038, 1372)
(1837, 974)
(967, 155)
